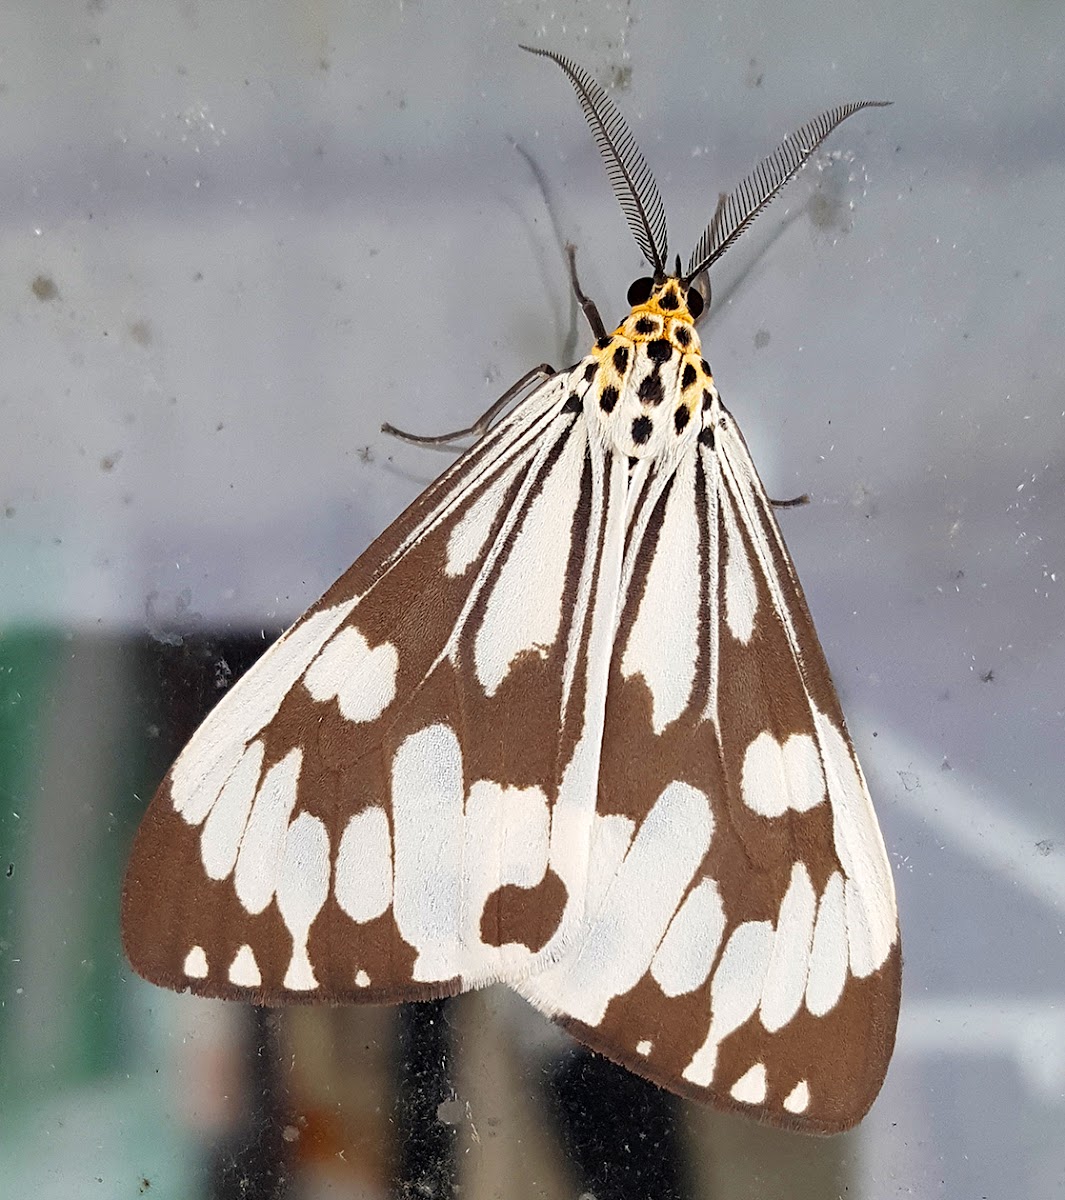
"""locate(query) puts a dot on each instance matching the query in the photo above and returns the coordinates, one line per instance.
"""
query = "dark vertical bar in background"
(426, 1150)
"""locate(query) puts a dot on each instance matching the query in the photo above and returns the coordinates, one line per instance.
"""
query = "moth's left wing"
(392, 804)
(744, 948)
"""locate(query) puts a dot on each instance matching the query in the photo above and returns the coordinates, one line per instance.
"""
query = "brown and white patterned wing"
(387, 805)
(742, 942)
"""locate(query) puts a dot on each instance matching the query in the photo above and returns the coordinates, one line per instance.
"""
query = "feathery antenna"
(764, 183)
(630, 176)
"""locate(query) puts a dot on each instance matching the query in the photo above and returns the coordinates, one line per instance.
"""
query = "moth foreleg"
(447, 441)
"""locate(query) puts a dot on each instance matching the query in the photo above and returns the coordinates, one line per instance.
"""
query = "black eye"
(640, 291)
(695, 302)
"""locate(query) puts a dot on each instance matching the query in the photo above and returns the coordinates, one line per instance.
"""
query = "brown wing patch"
(526, 915)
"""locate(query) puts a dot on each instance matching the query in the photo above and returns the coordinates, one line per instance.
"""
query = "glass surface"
(238, 238)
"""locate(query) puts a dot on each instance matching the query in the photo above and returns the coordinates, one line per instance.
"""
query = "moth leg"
(481, 426)
(586, 302)
(794, 502)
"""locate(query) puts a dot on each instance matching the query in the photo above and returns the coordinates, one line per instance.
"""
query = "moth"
(565, 725)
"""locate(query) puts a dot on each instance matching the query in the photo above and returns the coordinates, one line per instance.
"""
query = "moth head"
(668, 297)
(637, 193)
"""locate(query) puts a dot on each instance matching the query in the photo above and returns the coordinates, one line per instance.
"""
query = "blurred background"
(235, 239)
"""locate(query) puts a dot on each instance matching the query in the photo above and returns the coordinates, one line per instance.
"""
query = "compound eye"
(640, 291)
(694, 301)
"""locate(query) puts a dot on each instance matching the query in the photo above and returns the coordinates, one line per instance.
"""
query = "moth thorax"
(646, 402)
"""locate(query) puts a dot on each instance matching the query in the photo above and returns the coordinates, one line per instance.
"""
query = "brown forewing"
(511, 737)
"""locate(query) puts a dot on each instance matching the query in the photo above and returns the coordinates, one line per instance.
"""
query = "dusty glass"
(234, 244)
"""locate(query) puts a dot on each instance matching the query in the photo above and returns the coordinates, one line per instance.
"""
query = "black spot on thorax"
(621, 359)
(641, 430)
(659, 351)
(608, 399)
(650, 389)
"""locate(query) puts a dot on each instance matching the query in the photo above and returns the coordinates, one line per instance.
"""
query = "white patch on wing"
(735, 992)
(644, 1048)
(829, 951)
(709, 514)
(663, 644)
(363, 680)
(452, 852)
(803, 771)
(750, 1088)
(798, 1099)
(216, 748)
(506, 842)
(244, 970)
(762, 781)
(196, 963)
(776, 778)
(785, 981)
(471, 531)
(302, 888)
(741, 596)
(683, 960)
(225, 824)
(524, 605)
(859, 931)
(362, 979)
(263, 844)
(363, 872)
(618, 943)
(610, 842)
(427, 814)
(872, 924)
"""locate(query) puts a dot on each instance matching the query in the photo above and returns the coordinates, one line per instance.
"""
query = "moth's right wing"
(741, 941)
(387, 806)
